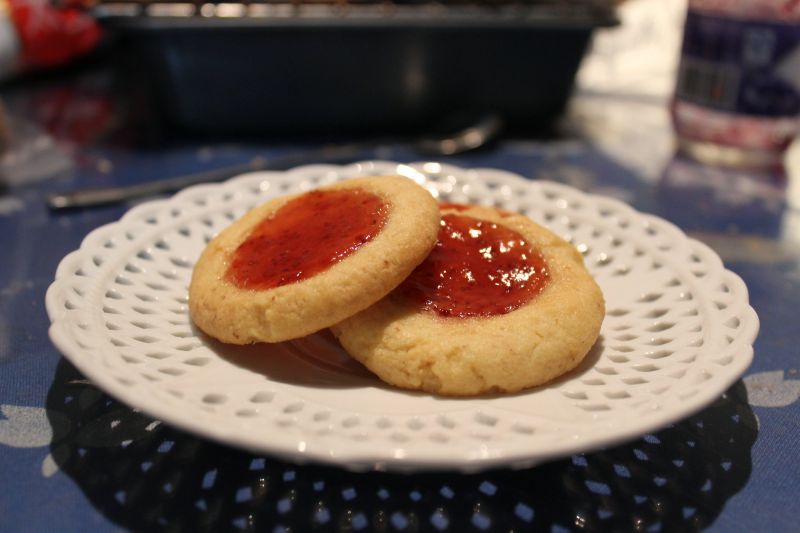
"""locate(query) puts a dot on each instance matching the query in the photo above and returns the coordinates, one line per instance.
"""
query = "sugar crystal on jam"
(477, 268)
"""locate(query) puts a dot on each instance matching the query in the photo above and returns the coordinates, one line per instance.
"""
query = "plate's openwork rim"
(649, 370)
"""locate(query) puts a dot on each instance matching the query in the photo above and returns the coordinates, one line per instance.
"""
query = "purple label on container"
(741, 66)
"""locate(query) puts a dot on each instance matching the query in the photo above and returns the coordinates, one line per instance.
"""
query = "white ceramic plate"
(678, 332)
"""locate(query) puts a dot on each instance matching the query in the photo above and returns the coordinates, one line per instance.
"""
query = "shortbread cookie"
(501, 304)
(301, 263)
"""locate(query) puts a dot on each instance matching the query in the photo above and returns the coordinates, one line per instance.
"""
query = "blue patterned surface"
(72, 459)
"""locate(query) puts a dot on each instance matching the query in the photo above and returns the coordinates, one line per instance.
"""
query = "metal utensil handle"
(487, 127)
(112, 195)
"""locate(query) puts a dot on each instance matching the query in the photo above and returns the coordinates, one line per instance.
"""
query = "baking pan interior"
(315, 74)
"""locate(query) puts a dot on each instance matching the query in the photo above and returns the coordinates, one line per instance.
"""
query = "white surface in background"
(624, 85)
(639, 57)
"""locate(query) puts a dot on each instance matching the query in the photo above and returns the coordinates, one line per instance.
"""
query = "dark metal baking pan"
(322, 68)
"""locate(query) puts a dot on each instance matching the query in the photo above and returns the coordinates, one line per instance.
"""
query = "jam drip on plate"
(305, 237)
(477, 269)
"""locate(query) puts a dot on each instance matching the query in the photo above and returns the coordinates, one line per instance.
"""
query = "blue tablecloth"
(73, 459)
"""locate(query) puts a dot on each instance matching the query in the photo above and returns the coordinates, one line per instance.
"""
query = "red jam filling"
(454, 207)
(463, 207)
(477, 269)
(305, 237)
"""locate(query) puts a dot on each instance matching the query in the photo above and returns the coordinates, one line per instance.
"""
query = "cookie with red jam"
(501, 304)
(301, 263)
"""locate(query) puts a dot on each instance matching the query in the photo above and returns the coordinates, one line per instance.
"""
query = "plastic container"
(737, 101)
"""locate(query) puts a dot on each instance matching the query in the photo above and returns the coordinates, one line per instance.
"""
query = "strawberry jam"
(305, 237)
(477, 269)
(463, 207)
